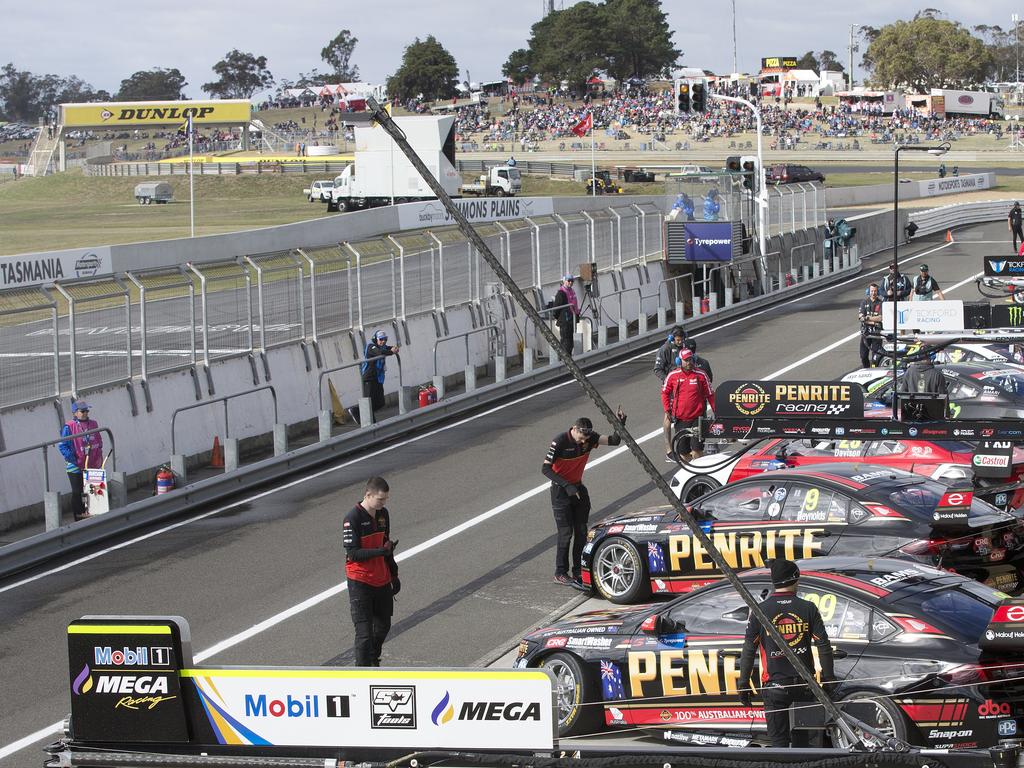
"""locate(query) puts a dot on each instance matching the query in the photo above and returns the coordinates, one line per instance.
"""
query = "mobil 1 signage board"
(124, 680)
(782, 399)
(413, 709)
(703, 241)
(1001, 266)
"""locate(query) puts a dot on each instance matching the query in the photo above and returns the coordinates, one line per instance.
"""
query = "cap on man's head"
(924, 267)
(784, 572)
(380, 336)
(685, 354)
(567, 278)
(80, 405)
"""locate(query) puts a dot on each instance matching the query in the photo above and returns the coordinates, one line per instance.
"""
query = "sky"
(106, 42)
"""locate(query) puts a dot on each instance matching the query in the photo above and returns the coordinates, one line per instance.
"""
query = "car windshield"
(1010, 382)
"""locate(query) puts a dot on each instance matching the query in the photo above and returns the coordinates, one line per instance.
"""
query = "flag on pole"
(583, 126)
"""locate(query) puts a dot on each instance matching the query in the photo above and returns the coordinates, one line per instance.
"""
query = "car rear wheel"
(576, 700)
(885, 717)
(618, 572)
(697, 486)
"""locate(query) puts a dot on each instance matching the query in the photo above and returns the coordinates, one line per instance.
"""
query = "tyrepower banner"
(947, 315)
(136, 113)
(702, 241)
(774, 399)
(411, 709)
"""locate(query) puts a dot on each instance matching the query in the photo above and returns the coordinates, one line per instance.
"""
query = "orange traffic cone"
(217, 454)
(949, 235)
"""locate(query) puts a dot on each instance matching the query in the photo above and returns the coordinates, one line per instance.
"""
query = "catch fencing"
(95, 332)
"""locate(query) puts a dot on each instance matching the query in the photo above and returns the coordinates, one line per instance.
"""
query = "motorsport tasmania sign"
(135, 113)
(43, 268)
(781, 399)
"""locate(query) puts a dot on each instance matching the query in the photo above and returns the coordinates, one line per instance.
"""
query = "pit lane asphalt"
(463, 596)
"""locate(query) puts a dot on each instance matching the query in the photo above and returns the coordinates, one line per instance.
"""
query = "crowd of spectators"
(640, 112)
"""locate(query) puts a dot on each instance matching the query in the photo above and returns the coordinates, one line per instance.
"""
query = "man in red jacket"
(371, 571)
(683, 395)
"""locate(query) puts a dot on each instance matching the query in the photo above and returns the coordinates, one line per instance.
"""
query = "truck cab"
(499, 181)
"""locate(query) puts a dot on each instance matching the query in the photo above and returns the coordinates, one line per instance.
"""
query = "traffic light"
(750, 175)
(683, 98)
(699, 98)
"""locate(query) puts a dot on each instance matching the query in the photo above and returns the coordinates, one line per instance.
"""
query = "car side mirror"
(740, 614)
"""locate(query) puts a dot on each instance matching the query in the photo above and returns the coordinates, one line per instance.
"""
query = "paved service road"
(259, 579)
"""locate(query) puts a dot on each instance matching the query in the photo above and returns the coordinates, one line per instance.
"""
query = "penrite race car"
(841, 509)
(923, 655)
(948, 461)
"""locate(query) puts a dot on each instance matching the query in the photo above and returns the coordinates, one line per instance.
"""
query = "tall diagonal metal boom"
(389, 125)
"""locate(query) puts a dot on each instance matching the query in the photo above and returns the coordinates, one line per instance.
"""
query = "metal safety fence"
(92, 332)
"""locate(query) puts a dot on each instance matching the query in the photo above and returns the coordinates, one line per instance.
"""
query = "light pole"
(853, 28)
(735, 69)
(938, 151)
(1016, 45)
(762, 189)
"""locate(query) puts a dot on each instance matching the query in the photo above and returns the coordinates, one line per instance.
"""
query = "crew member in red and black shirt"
(371, 571)
(563, 466)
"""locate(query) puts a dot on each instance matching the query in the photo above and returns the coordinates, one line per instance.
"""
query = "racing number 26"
(826, 604)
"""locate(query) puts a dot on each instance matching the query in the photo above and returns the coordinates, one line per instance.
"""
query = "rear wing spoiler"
(953, 508)
(1005, 631)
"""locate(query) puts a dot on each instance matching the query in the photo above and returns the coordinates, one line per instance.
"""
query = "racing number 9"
(826, 604)
(811, 500)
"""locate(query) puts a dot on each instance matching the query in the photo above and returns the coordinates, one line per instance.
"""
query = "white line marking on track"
(326, 594)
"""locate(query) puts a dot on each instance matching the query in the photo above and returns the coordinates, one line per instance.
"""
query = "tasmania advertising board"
(971, 182)
(478, 210)
(44, 268)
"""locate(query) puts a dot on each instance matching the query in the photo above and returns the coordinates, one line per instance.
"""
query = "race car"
(976, 390)
(948, 461)
(923, 655)
(841, 509)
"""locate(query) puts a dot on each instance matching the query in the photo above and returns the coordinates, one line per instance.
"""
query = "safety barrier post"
(179, 468)
(365, 412)
(324, 423)
(280, 439)
(438, 382)
(500, 368)
(528, 360)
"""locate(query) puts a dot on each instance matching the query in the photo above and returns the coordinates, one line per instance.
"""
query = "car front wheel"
(577, 704)
(618, 573)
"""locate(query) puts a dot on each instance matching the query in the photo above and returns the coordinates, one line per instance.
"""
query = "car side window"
(807, 503)
(720, 613)
(960, 389)
(886, 448)
(844, 619)
(749, 501)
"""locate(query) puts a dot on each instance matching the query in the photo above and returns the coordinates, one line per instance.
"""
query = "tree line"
(625, 39)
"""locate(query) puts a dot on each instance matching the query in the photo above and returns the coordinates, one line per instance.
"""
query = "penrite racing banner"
(860, 429)
(780, 399)
(138, 113)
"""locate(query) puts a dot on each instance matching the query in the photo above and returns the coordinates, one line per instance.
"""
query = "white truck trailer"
(967, 103)
(381, 173)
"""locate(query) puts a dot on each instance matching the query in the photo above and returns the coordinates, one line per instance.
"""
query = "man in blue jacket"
(373, 370)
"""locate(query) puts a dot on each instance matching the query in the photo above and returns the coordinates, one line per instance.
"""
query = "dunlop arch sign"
(125, 114)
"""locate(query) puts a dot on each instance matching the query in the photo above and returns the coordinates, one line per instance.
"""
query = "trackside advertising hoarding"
(1002, 266)
(135, 113)
(414, 709)
(43, 268)
(431, 213)
(947, 315)
(702, 241)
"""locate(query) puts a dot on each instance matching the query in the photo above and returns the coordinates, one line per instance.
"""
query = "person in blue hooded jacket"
(712, 205)
(373, 370)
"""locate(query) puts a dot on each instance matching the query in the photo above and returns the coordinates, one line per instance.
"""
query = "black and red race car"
(934, 658)
(949, 461)
(839, 509)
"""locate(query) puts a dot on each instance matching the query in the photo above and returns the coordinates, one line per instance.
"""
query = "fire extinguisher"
(424, 398)
(431, 394)
(705, 305)
(789, 279)
(164, 480)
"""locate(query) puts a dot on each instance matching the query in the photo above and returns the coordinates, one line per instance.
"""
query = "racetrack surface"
(260, 581)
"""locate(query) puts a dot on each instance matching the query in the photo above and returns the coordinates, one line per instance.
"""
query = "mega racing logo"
(750, 399)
